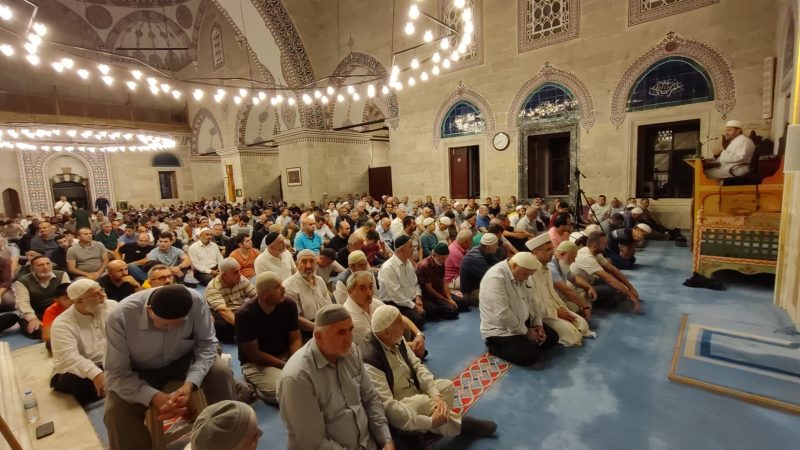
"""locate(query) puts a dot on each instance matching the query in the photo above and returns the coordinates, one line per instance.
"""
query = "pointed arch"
(200, 116)
(369, 62)
(551, 74)
(674, 45)
(462, 93)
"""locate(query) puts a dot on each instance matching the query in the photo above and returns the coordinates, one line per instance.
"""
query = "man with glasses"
(159, 275)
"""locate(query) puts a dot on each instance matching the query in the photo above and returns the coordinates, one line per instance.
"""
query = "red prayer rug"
(476, 379)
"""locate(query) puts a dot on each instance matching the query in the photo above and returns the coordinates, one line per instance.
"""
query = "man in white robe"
(739, 151)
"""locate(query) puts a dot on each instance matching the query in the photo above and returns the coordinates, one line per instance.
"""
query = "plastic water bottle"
(31, 407)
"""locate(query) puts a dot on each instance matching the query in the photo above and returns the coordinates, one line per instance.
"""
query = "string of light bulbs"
(82, 139)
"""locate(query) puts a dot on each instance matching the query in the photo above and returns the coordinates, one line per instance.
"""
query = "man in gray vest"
(34, 293)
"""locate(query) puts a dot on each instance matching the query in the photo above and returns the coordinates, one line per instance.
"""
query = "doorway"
(380, 181)
(11, 203)
(465, 172)
(74, 191)
(548, 164)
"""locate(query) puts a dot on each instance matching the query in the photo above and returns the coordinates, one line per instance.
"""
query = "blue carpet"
(613, 392)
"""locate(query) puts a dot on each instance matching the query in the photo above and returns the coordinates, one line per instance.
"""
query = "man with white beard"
(576, 292)
(307, 290)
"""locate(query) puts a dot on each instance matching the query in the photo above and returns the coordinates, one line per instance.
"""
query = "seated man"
(562, 227)
(576, 292)
(59, 256)
(307, 238)
(354, 242)
(413, 400)
(88, 258)
(326, 264)
(79, 342)
(245, 255)
(437, 299)
(622, 242)
(326, 397)
(225, 294)
(647, 217)
(342, 234)
(275, 257)
(739, 152)
(398, 282)
(308, 291)
(571, 328)
(135, 256)
(268, 334)
(452, 266)
(227, 424)
(376, 249)
(174, 258)
(361, 304)
(357, 262)
(154, 337)
(511, 329)
(427, 240)
(476, 263)
(606, 279)
(117, 283)
(107, 236)
(34, 294)
(158, 275)
(205, 256)
(45, 243)
(61, 302)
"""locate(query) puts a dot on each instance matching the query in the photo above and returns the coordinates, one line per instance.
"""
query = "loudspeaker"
(791, 159)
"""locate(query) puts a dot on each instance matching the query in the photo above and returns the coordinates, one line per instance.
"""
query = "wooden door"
(380, 181)
(11, 203)
(459, 172)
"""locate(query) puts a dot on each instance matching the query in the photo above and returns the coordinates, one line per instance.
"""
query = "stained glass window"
(549, 103)
(670, 82)
(463, 119)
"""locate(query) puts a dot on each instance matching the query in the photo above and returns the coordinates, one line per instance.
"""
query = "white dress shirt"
(204, 257)
(309, 298)
(79, 341)
(504, 303)
(283, 265)
(362, 321)
(398, 282)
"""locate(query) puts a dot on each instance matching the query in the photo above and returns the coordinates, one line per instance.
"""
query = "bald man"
(307, 238)
(117, 283)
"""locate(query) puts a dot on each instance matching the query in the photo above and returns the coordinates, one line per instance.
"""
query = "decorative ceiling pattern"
(148, 29)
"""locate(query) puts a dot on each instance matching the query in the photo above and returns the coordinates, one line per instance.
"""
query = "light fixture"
(137, 74)
(279, 99)
(152, 81)
(445, 44)
(467, 15)
(34, 39)
(350, 90)
(459, 3)
(307, 99)
(291, 101)
(398, 86)
(370, 91)
(5, 12)
(219, 95)
(272, 101)
(154, 89)
(317, 94)
(324, 99)
(108, 80)
(411, 81)
(262, 95)
(436, 57)
(435, 70)
(104, 69)
(395, 70)
(423, 76)
(30, 48)
(330, 90)
(466, 39)
(340, 98)
(58, 67)
(415, 63)
(72, 133)
(385, 90)
(176, 94)
(83, 73)
(469, 28)
(256, 100)
(446, 64)
(242, 92)
(131, 85)
(462, 48)
(33, 59)
(165, 87)
(455, 56)
(39, 28)
(413, 12)
(409, 28)
(7, 49)
(67, 63)
(356, 97)
(428, 36)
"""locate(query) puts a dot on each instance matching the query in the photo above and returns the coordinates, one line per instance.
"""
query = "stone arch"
(461, 92)
(201, 115)
(171, 61)
(242, 118)
(160, 159)
(552, 74)
(369, 62)
(674, 45)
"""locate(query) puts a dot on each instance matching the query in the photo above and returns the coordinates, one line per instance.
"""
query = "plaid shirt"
(219, 295)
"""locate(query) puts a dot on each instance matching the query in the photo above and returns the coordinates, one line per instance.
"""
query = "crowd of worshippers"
(326, 305)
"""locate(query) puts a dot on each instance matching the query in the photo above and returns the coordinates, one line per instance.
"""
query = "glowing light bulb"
(279, 99)
(83, 73)
(307, 99)
(198, 94)
(39, 29)
(413, 12)
(455, 56)
(444, 44)
(152, 81)
(217, 98)
(324, 99)
(104, 69)
(409, 28)
(467, 15)
(428, 36)
(446, 64)
(411, 81)
(30, 48)
(108, 80)
(423, 76)
(415, 63)
(67, 63)
(272, 101)
(154, 89)
(466, 40)
(469, 28)
(165, 87)
(72, 133)
(356, 97)
(176, 94)
(370, 91)
(462, 48)
(330, 90)
(385, 90)
(35, 39)
(340, 98)
(255, 100)
(436, 57)
(137, 74)
(7, 49)
(350, 90)
(237, 100)
(398, 86)
(58, 67)
(262, 95)
(5, 12)
(221, 93)
(131, 85)
(395, 70)
(291, 101)
(242, 92)
(459, 3)
(33, 59)
(317, 94)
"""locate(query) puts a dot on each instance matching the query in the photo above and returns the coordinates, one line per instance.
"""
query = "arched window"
(549, 103)
(670, 82)
(462, 119)
(166, 159)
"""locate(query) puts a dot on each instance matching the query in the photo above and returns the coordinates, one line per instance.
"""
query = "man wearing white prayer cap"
(734, 159)
(512, 329)
(571, 328)
(413, 400)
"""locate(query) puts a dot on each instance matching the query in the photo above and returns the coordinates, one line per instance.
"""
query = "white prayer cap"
(224, 425)
(637, 210)
(644, 227)
(428, 221)
(444, 220)
(593, 228)
(538, 241)
(519, 207)
(203, 230)
(456, 204)
(526, 260)
(383, 317)
(630, 206)
(575, 235)
(79, 287)
(734, 123)
(489, 239)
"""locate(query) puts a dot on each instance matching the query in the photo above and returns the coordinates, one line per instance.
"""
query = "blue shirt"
(481, 221)
(302, 241)
(473, 267)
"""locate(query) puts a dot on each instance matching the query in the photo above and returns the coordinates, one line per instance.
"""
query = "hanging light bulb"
(466, 39)
(428, 36)
(131, 85)
(444, 44)
(262, 95)
(58, 67)
(176, 94)
(72, 133)
(350, 90)
(385, 90)
(467, 15)
(256, 100)
(218, 97)
(462, 48)
(154, 89)
(108, 80)
(221, 92)
(411, 81)
(242, 92)
(356, 97)
(307, 99)
(34, 39)
(455, 56)
(198, 94)
(317, 94)
(237, 100)
(83, 73)
(395, 70)
(5, 12)
(409, 28)
(104, 69)
(33, 59)
(279, 99)
(7, 49)
(436, 57)
(330, 90)
(469, 28)
(398, 86)
(39, 29)
(370, 91)
(291, 101)
(137, 74)
(152, 81)
(446, 64)
(165, 87)
(423, 76)
(459, 3)
(340, 98)
(413, 12)
(30, 48)
(67, 63)
(324, 99)
(272, 101)
(415, 63)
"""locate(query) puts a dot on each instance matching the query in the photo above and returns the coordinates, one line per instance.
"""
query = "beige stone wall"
(136, 181)
(11, 178)
(260, 172)
(599, 57)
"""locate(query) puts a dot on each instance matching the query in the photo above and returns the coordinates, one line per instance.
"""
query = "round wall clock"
(501, 141)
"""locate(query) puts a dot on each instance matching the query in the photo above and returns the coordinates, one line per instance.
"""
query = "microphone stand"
(579, 196)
